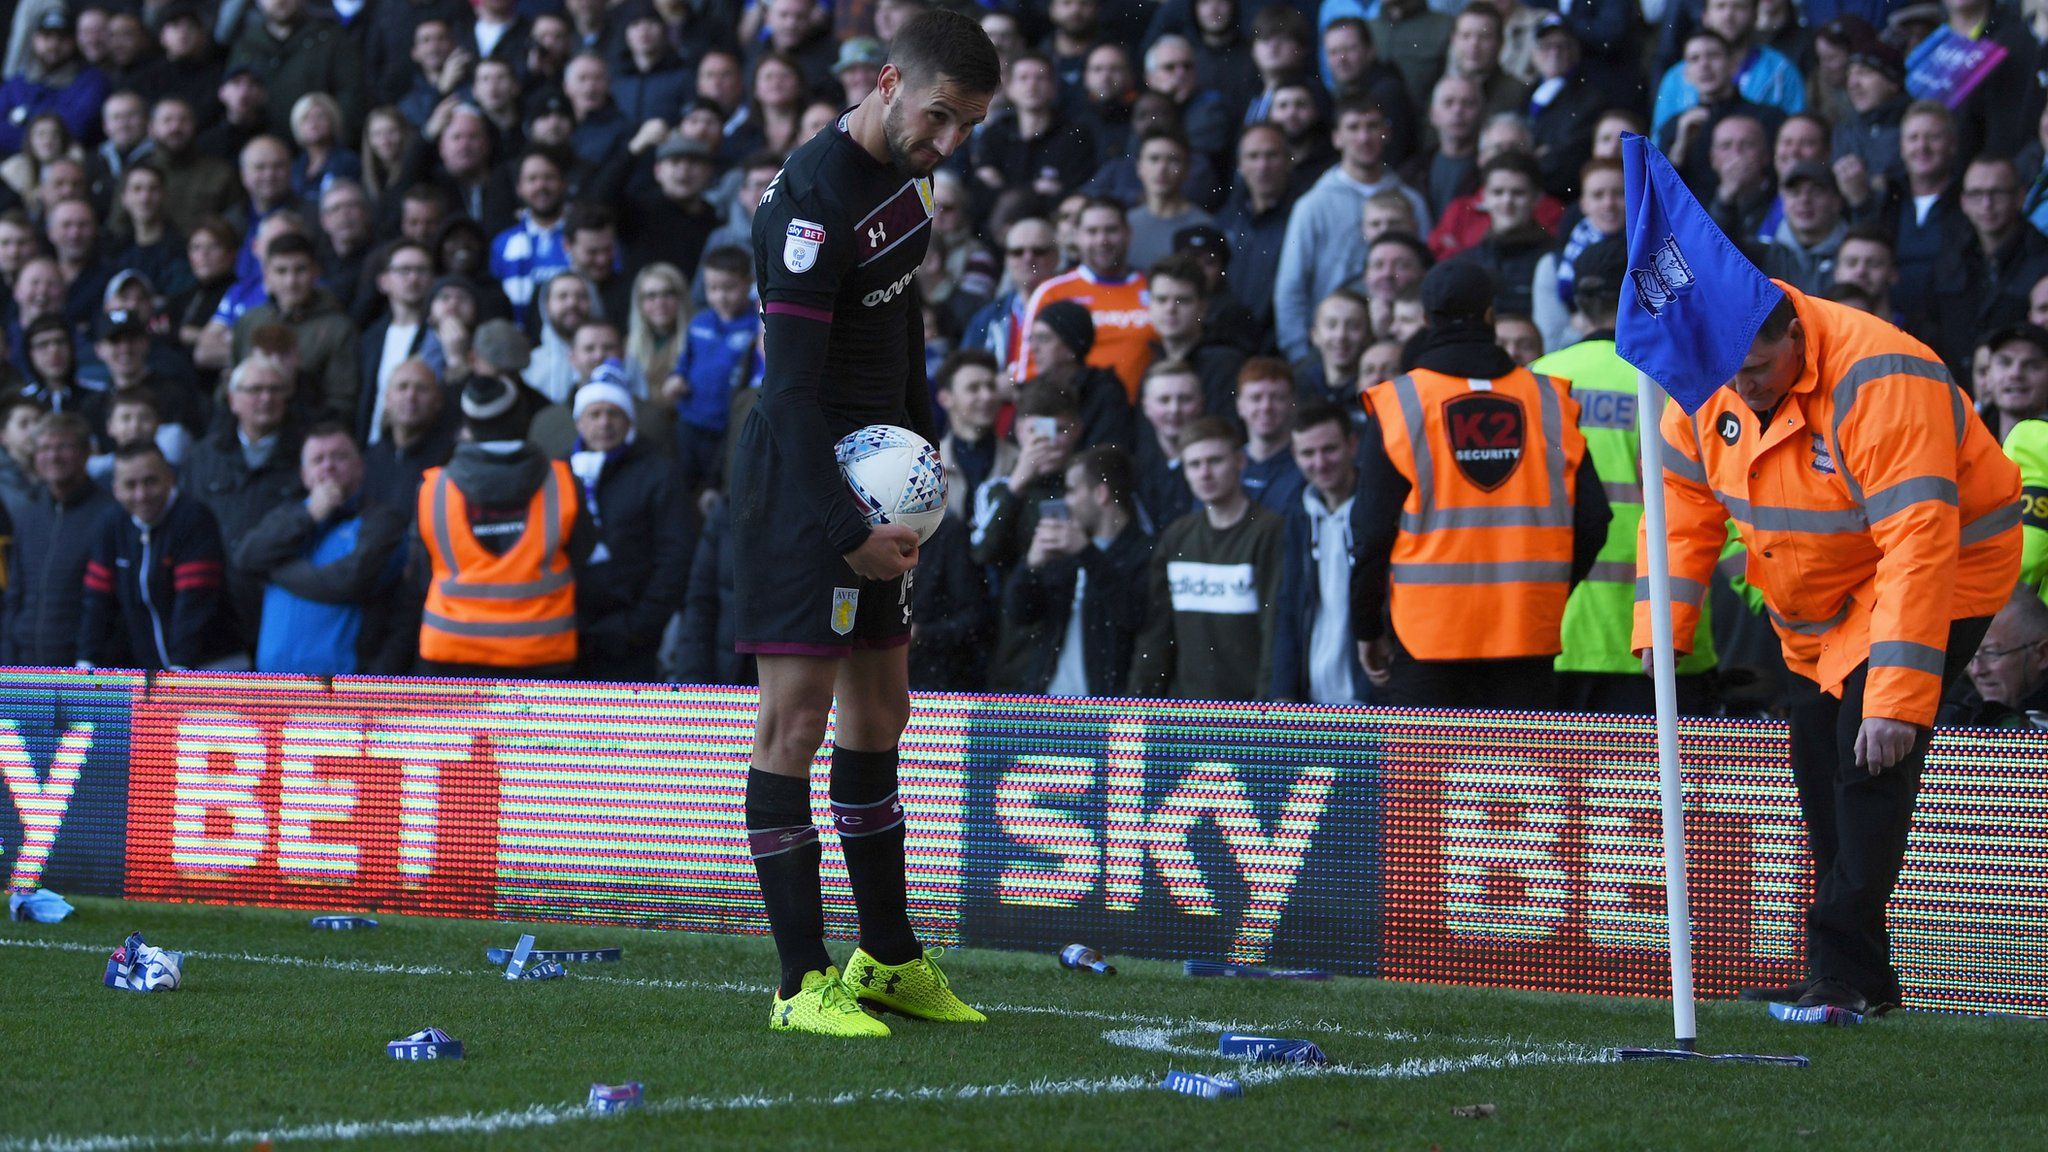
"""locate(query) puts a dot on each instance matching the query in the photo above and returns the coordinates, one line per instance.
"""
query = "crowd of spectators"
(260, 257)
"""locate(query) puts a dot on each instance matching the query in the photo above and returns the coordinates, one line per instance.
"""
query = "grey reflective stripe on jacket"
(1556, 514)
(455, 586)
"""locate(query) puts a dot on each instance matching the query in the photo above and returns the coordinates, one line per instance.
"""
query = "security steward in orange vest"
(500, 526)
(1477, 511)
(1882, 525)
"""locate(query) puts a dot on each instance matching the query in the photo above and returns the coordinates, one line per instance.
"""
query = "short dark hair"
(1122, 210)
(1042, 397)
(729, 259)
(1520, 163)
(1171, 366)
(964, 358)
(587, 217)
(1111, 467)
(1357, 104)
(140, 396)
(541, 152)
(1316, 413)
(939, 44)
(138, 450)
(13, 400)
(1168, 132)
(1211, 428)
(328, 428)
(1873, 232)
(1355, 23)
(1707, 34)
(291, 244)
(1483, 9)
(1184, 268)
(1276, 21)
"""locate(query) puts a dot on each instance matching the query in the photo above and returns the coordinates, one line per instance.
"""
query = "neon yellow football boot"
(917, 988)
(824, 1007)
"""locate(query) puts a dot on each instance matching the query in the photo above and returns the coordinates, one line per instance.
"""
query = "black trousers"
(1511, 685)
(1856, 824)
(1631, 695)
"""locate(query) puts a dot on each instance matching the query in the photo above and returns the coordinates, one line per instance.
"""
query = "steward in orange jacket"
(1882, 525)
(499, 529)
(1478, 505)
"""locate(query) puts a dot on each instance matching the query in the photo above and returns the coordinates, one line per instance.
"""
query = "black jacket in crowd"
(46, 573)
(1039, 602)
(156, 597)
(710, 627)
(953, 615)
(217, 474)
(635, 576)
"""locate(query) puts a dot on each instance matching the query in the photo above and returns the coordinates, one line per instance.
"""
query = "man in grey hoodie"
(1325, 247)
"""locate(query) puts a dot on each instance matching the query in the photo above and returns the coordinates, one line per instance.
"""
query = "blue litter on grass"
(1817, 1014)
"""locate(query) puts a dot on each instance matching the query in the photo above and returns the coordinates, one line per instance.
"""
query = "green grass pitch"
(279, 1033)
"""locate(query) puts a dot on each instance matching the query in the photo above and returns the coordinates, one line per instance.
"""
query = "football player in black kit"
(824, 599)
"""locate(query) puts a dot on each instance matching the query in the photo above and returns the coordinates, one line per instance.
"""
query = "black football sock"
(870, 823)
(784, 844)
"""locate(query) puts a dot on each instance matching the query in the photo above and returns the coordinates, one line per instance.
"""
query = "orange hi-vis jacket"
(1122, 314)
(1876, 509)
(1482, 567)
(512, 611)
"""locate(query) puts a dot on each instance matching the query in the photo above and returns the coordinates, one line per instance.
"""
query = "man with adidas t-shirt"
(1215, 582)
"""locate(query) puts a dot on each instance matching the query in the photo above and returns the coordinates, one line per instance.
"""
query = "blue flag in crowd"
(1692, 302)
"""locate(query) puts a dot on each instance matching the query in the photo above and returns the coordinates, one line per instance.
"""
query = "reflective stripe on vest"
(526, 615)
(551, 545)
(1558, 513)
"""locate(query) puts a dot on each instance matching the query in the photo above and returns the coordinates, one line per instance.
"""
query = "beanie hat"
(491, 408)
(607, 386)
(1072, 324)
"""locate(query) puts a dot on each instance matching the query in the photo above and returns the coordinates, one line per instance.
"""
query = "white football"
(895, 476)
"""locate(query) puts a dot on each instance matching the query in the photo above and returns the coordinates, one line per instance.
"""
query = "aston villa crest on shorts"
(844, 601)
(1488, 433)
(800, 245)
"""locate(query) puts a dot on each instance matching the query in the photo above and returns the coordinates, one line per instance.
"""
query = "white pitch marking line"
(1325, 1027)
(544, 1115)
(1152, 1033)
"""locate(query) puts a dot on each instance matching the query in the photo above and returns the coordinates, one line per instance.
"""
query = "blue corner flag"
(1692, 302)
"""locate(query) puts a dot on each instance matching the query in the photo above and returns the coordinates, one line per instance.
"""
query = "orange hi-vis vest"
(512, 611)
(1482, 567)
(1876, 508)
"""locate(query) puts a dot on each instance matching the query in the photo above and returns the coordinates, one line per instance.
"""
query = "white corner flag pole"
(1678, 905)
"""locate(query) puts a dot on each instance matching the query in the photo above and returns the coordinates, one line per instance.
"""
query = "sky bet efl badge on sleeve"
(800, 245)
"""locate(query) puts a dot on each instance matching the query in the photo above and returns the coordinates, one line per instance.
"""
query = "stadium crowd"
(267, 263)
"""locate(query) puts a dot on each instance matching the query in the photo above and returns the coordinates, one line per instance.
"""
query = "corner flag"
(1692, 301)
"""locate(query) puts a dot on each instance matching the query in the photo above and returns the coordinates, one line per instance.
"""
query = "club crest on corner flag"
(1692, 302)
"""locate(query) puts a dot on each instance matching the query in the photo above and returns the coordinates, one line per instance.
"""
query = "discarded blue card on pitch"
(615, 1097)
(503, 956)
(522, 954)
(543, 970)
(1205, 1087)
(343, 923)
(1276, 1049)
(1250, 971)
(1817, 1014)
(425, 1044)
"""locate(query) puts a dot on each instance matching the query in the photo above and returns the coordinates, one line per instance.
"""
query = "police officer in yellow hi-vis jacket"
(1477, 511)
(1883, 526)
